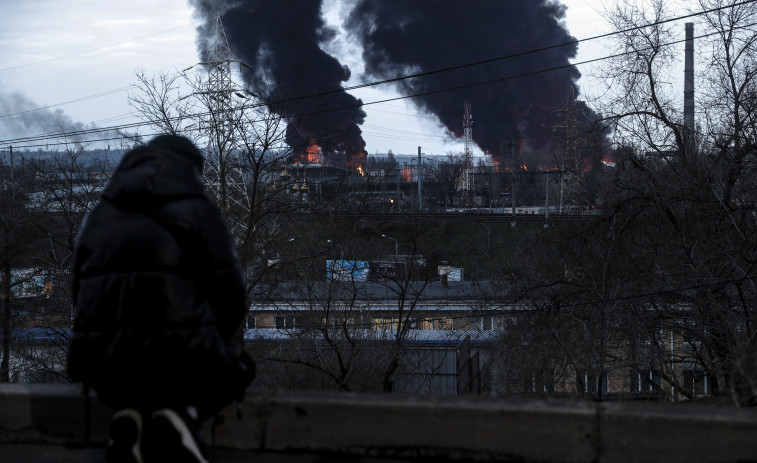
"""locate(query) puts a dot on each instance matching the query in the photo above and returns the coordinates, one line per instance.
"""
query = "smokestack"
(688, 82)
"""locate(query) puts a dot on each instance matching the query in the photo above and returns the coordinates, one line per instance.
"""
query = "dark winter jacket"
(158, 291)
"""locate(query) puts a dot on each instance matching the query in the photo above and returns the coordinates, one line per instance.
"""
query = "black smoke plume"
(403, 37)
(514, 105)
(280, 42)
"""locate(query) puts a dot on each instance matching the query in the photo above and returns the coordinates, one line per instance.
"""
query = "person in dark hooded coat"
(158, 296)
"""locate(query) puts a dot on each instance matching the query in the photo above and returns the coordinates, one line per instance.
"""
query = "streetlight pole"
(396, 245)
(341, 249)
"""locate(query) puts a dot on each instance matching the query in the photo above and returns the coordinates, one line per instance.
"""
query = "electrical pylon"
(571, 170)
(468, 177)
(223, 174)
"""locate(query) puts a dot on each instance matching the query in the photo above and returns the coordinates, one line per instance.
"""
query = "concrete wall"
(417, 426)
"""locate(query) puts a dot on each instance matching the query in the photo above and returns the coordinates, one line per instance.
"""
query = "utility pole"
(546, 202)
(688, 81)
(6, 283)
(561, 185)
(420, 181)
(688, 91)
(512, 181)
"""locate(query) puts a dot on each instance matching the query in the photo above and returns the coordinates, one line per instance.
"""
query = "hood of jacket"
(149, 173)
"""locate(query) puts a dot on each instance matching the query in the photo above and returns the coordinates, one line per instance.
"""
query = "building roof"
(383, 291)
(441, 338)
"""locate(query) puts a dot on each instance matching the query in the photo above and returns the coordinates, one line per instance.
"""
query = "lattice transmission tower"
(468, 177)
(571, 168)
(224, 170)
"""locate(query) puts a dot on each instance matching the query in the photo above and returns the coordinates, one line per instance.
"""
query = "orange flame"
(313, 153)
(356, 162)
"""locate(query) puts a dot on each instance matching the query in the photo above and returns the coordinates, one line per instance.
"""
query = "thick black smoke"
(405, 37)
(279, 41)
(515, 104)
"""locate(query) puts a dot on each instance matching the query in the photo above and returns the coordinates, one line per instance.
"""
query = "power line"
(85, 98)
(533, 51)
(89, 97)
(414, 75)
(358, 105)
(401, 97)
(95, 140)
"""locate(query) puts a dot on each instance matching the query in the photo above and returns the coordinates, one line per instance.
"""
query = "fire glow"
(356, 163)
(313, 153)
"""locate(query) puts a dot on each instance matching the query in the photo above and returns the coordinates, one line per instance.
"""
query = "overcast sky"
(54, 52)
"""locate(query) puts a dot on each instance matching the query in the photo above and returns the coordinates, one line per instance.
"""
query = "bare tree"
(349, 309)
(243, 141)
(639, 101)
(675, 247)
(13, 222)
(159, 100)
(52, 192)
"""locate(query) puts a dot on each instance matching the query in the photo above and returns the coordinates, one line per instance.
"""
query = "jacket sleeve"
(224, 284)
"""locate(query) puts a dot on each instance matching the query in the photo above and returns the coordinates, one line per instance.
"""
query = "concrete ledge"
(412, 427)
(631, 432)
(417, 427)
(51, 414)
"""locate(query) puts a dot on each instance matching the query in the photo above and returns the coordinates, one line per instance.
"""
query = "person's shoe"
(124, 445)
(171, 440)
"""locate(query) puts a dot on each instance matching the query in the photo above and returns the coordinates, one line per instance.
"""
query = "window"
(652, 381)
(385, 323)
(538, 381)
(696, 382)
(587, 381)
(492, 322)
(284, 321)
(444, 323)
(644, 381)
(251, 322)
(338, 321)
